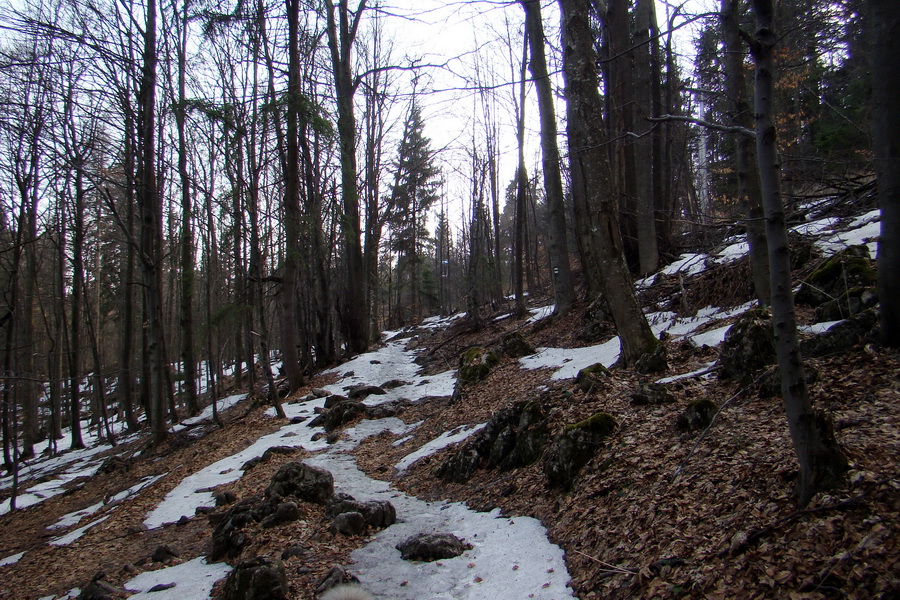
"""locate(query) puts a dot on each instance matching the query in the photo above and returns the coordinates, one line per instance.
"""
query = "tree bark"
(586, 150)
(820, 458)
(559, 252)
(885, 31)
(745, 155)
(648, 251)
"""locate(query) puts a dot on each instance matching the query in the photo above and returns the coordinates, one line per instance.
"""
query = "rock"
(852, 302)
(259, 578)
(115, 464)
(652, 393)
(294, 551)
(335, 399)
(301, 481)
(228, 537)
(653, 362)
(163, 554)
(318, 393)
(285, 512)
(377, 513)
(339, 414)
(337, 575)
(591, 377)
(834, 276)
(574, 447)
(224, 498)
(297, 420)
(161, 587)
(515, 436)
(514, 345)
(393, 384)
(749, 346)
(267, 455)
(348, 523)
(697, 415)
(841, 336)
(596, 332)
(475, 364)
(387, 409)
(432, 546)
(361, 391)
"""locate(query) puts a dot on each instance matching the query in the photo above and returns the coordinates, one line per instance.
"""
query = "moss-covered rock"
(653, 362)
(592, 376)
(697, 415)
(749, 346)
(852, 302)
(841, 336)
(652, 393)
(475, 364)
(574, 447)
(836, 275)
(514, 345)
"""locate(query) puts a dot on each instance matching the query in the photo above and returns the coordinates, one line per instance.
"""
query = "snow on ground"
(193, 580)
(864, 234)
(511, 558)
(568, 361)
(442, 441)
(540, 313)
(12, 559)
(74, 517)
(674, 378)
(392, 362)
(65, 540)
(206, 413)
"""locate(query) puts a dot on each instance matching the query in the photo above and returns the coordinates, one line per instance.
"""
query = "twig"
(609, 567)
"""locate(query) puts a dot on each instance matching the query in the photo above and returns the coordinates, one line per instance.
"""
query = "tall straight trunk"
(77, 308)
(885, 32)
(648, 251)
(188, 360)
(820, 458)
(521, 189)
(26, 384)
(745, 156)
(125, 387)
(586, 146)
(151, 206)
(289, 335)
(620, 94)
(563, 290)
(341, 37)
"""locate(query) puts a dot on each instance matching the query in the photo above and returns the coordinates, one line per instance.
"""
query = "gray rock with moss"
(749, 347)
(697, 415)
(574, 447)
(475, 364)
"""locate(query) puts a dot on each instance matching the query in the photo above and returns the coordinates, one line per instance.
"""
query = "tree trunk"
(745, 156)
(341, 37)
(559, 252)
(885, 31)
(521, 189)
(586, 147)
(648, 251)
(821, 461)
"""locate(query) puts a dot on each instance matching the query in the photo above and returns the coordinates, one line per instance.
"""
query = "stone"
(852, 302)
(834, 276)
(377, 513)
(749, 347)
(285, 512)
(295, 551)
(697, 415)
(432, 546)
(393, 384)
(224, 498)
(653, 362)
(301, 481)
(574, 447)
(514, 345)
(335, 399)
(361, 391)
(475, 364)
(163, 554)
(338, 415)
(841, 336)
(591, 377)
(267, 455)
(260, 578)
(348, 523)
(652, 393)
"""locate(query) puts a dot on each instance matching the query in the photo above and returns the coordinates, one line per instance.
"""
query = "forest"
(201, 197)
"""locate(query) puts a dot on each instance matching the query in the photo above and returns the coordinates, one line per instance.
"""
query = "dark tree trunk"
(648, 251)
(521, 190)
(745, 155)
(586, 146)
(885, 31)
(559, 252)
(821, 461)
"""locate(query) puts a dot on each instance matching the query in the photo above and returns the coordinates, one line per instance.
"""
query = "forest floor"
(658, 512)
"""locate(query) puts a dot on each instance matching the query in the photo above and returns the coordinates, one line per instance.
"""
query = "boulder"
(361, 391)
(574, 447)
(163, 554)
(260, 578)
(228, 537)
(338, 415)
(432, 546)
(652, 393)
(841, 336)
(834, 276)
(594, 376)
(301, 481)
(335, 399)
(749, 347)
(348, 523)
(377, 513)
(653, 362)
(852, 302)
(514, 345)
(475, 364)
(697, 415)
(285, 512)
